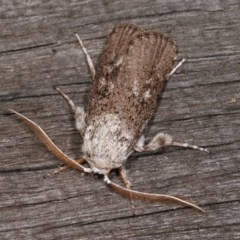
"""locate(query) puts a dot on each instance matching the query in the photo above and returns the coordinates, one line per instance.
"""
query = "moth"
(131, 74)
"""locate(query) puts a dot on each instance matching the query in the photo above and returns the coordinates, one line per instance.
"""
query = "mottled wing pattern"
(116, 46)
(131, 75)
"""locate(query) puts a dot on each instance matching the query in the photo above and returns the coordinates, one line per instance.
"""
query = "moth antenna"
(43, 137)
(132, 194)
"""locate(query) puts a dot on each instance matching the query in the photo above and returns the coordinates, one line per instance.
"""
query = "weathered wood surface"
(200, 105)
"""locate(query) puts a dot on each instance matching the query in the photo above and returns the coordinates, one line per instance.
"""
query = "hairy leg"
(161, 140)
(127, 183)
(79, 113)
(89, 60)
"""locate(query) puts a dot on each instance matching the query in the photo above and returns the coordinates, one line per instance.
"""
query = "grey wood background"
(38, 50)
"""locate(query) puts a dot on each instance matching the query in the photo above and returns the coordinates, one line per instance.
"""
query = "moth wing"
(142, 76)
(116, 45)
(131, 75)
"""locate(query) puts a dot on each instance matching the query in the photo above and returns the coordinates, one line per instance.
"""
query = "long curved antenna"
(43, 137)
(132, 194)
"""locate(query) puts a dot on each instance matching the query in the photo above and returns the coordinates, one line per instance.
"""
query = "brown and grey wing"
(141, 78)
(116, 45)
(131, 87)
(111, 59)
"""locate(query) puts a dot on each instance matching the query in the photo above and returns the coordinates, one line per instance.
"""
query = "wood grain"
(38, 50)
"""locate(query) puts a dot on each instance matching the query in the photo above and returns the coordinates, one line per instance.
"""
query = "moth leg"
(63, 168)
(124, 177)
(128, 184)
(89, 60)
(161, 140)
(177, 67)
(79, 113)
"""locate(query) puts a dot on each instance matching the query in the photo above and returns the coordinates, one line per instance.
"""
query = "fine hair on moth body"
(131, 74)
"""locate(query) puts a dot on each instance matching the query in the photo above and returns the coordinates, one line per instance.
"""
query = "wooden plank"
(200, 105)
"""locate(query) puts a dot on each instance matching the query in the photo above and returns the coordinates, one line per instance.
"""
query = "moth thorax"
(107, 143)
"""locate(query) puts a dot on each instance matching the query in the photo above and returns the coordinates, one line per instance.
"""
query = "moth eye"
(87, 154)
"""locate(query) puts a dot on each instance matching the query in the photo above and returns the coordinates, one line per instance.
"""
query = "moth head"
(100, 165)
